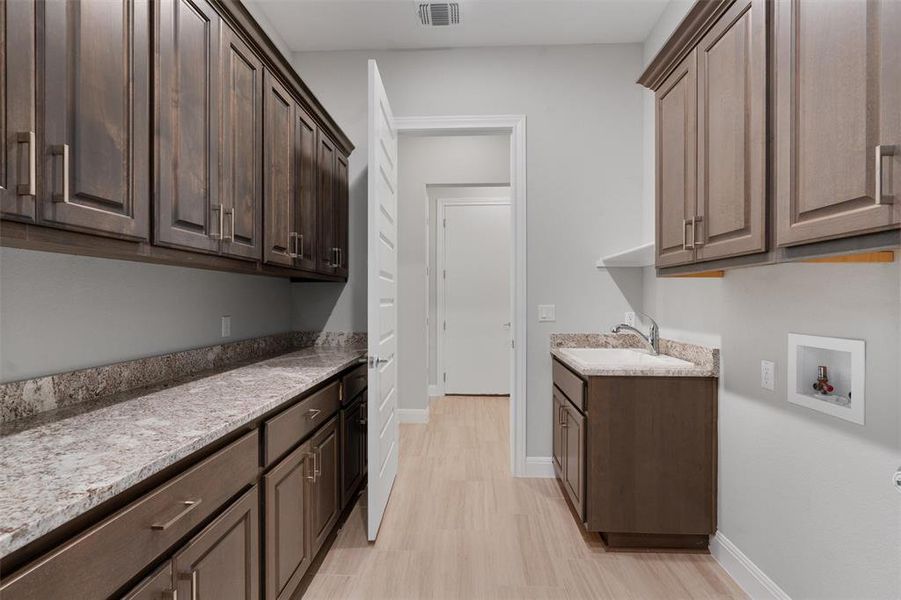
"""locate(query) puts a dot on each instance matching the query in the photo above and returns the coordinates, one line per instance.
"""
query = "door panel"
(306, 141)
(574, 463)
(241, 187)
(732, 134)
(352, 449)
(676, 109)
(278, 174)
(18, 144)
(475, 246)
(837, 80)
(326, 489)
(558, 433)
(95, 159)
(381, 302)
(327, 206)
(340, 209)
(288, 544)
(222, 561)
(188, 211)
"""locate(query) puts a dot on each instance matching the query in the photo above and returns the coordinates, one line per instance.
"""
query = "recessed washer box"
(845, 361)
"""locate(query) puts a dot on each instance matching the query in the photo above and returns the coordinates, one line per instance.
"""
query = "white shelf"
(640, 256)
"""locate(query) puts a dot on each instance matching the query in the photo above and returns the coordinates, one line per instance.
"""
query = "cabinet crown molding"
(701, 16)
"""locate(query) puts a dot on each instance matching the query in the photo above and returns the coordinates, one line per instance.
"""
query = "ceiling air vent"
(439, 14)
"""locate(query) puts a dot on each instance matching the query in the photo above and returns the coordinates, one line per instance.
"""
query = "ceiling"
(307, 25)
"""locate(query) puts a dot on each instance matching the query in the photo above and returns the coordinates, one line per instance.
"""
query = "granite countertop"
(59, 469)
(705, 362)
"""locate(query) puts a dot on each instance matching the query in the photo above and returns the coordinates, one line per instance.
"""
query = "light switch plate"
(547, 313)
(768, 375)
(226, 325)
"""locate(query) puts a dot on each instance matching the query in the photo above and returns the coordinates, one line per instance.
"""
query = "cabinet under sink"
(636, 455)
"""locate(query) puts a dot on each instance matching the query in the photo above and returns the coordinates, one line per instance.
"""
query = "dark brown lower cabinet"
(353, 448)
(574, 456)
(222, 561)
(287, 489)
(325, 507)
(558, 453)
(155, 587)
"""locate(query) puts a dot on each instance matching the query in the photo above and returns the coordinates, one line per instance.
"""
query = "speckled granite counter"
(705, 361)
(59, 469)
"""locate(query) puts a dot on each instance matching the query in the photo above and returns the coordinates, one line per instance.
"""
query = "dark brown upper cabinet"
(223, 561)
(837, 123)
(18, 150)
(340, 210)
(328, 254)
(305, 142)
(187, 207)
(241, 185)
(278, 173)
(676, 153)
(95, 137)
(731, 205)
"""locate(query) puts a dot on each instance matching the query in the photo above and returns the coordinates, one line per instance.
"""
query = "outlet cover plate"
(768, 375)
(226, 326)
(630, 319)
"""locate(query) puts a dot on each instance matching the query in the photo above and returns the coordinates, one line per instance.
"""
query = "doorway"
(473, 295)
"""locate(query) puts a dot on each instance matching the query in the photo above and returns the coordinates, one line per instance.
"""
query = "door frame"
(515, 127)
(440, 258)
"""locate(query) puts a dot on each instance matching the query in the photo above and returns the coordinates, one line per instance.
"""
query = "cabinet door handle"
(684, 234)
(231, 213)
(685, 226)
(292, 244)
(313, 413)
(298, 249)
(28, 189)
(695, 239)
(318, 463)
(882, 151)
(62, 150)
(220, 210)
(312, 476)
(194, 585)
(189, 505)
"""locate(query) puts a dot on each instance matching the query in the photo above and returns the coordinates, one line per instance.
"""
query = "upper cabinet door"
(838, 104)
(676, 143)
(96, 116)
(187, 209)
(328, 254)
(241, 185)
(305, 141)
(340, 209)
(279, 236)
(731, 215)
(18, 148)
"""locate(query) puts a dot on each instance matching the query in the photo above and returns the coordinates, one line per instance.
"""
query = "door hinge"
(513, 343)
(444, 378)
(443, 273)
(444, 223)
(444, 325)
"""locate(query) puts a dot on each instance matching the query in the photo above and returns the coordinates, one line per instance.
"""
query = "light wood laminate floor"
(458, 525)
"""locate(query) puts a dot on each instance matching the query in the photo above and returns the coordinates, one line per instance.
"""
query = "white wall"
(584, 170)
(449, 191)
(60, 312)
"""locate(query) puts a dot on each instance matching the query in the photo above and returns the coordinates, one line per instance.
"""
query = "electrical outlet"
(547, 313)
(768, 375)
(630, 319)
(226, 325)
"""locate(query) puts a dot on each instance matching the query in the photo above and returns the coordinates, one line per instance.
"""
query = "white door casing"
(474, 299)
(382, 427)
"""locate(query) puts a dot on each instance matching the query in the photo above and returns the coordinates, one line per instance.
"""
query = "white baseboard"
(434, 391)
(413, 415)
(746, 574)
(539, 466)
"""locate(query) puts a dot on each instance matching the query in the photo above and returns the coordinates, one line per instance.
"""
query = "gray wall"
(61, 312)
(584, 172)
(806, 496)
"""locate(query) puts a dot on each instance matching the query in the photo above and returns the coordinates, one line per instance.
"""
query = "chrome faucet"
(653, 337)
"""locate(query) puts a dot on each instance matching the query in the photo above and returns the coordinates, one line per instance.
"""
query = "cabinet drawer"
(138, 534)
(354, 383)
(286, 429)
(570, 384)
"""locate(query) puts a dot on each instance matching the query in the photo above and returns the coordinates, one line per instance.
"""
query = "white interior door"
(475, 256)
(382, 307)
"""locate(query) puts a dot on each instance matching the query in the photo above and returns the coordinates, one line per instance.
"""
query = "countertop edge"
(697, 371)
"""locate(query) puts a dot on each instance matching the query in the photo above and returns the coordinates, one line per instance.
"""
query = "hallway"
(459, 526)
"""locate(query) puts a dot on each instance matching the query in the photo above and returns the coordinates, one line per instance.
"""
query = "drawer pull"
(62, 150)
(189, 505)
(313, 413)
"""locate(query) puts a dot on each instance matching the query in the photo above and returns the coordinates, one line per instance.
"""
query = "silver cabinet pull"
(312, 477)
(194, 584)
(318, 463)
(292, 244)
(313, 413)
(695, 238)
(684, 234)
(189, 505)
(221, 235)
(62, 150)
(171, 594)
(300, 246)
(882, 151)
(231, 235)
(28, 189)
